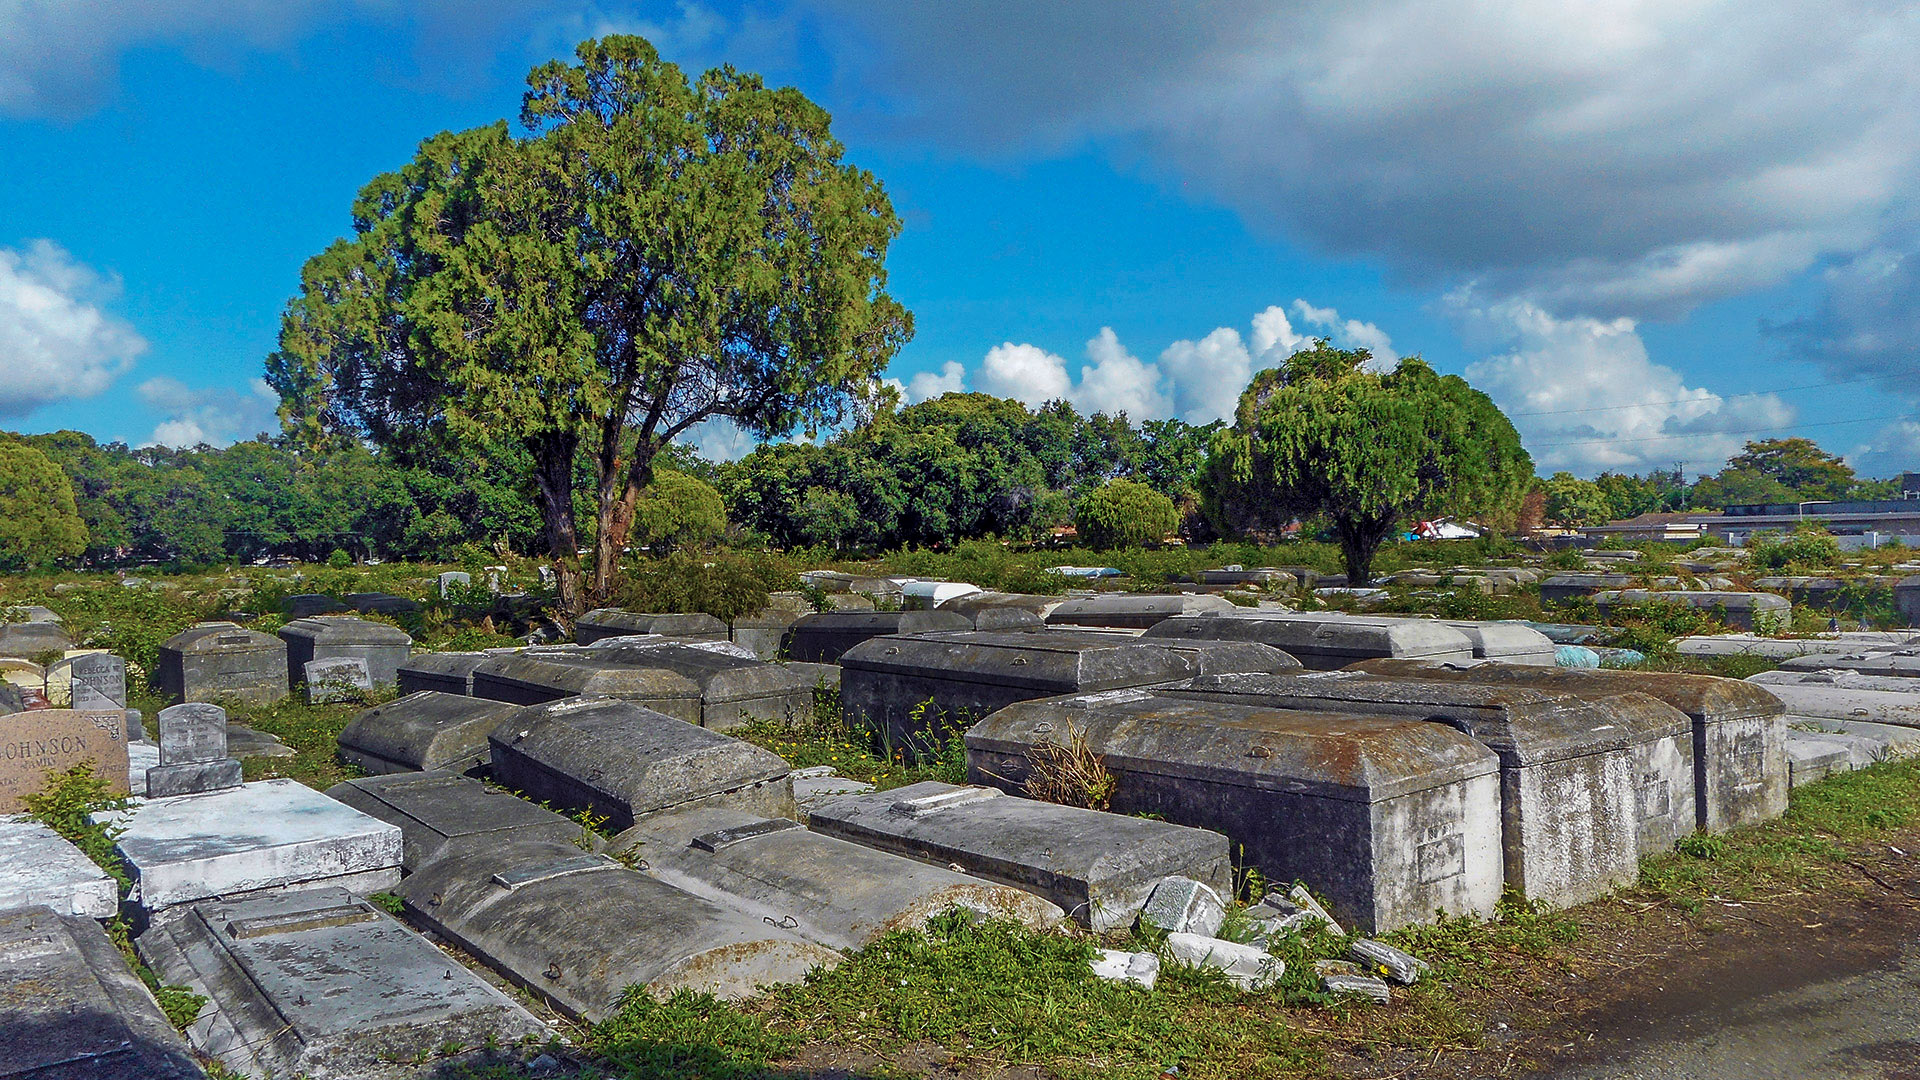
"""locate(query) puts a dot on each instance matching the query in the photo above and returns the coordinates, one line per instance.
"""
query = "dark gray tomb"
(214, 660)
(321, 637)
(423, 731)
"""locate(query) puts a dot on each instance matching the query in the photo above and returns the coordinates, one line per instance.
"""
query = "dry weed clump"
(1069, 773)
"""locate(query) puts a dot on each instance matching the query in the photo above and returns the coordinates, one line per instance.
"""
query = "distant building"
(1873, 521)
(1679, 528)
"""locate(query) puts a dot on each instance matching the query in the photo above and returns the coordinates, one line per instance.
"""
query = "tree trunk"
(619, 501)
(553, 490)
(1360, 537)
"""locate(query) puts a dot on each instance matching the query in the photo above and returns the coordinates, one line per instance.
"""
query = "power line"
(1691, 401)
(1740, 431)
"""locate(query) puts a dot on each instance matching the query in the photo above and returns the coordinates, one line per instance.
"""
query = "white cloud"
(1208, 375)
(926, 385)
(215, 416)
(57, 340)
(1116, 381)
(1892, 450)
(1348, 334)
(1586, 396)
(1025, 373)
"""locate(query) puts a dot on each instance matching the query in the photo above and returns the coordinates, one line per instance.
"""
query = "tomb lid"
(617, 620)
(1703, 698)
(880, 622)
(453, 665)
(582, 674)
(720, 675)
(435, 808)
(1347, 756)
(645, 759)
(1524, 726)
(1492, 640)
(344, 630)
(1587, 581)
(1319, 635)
(1136, 608)
(211, 637)
(1036, 660)
(426, 730)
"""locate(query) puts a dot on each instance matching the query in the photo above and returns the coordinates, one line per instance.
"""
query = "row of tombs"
(1402, 768)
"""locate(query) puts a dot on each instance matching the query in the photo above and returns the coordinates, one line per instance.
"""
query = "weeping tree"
(1322, 434)
(646, 253)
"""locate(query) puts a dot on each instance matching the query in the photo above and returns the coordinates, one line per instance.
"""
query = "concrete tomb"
(25, 640)
(301, 605)
(1393, 818)
(323, 983)
(969, 674)
(1788, 648)
(442, 812)
(193, 752)
(1508, 642)
(337, 678)
(322, 637)
(612, 622)
(1539, 737)
(1561, 588)
(534, 678)
(1135, 611)
(831, 891)
(733, 689)
(624, 761)
(72, 1009)
(1812, 757)
(379, 603)
(815, 784)
(578, 929)
(1740, 775)
(1003, 611)
(263, 835)
(38, 743)
(1825, 593)
(38, 866)
(1901, 663)
(764, 633)
(1746, 610)
(1830, 695)
(1325, 642)
(927, 595)
(215, 660)
(1266, 577)
(447, 672)
(824, 636)
(1098, 867)
(424, 731)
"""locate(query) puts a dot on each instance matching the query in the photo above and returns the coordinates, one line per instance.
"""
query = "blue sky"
(1622, 221)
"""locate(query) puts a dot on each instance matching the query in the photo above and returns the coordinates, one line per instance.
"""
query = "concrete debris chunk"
(1248, 967)
(1365, 986)
(321, 983)
(71, 1008)
(1382, 959)
(1299, 895)
(1336, 967)
(1139, 968)
(1183, 905)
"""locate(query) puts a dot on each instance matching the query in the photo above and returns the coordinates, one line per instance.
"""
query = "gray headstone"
(337, 678)
(1393, 818)
(443, 812)
(579, 930)
(322, 982)
(1097, 867)
(623, 760)
(75, 1009)
(192, 732)
(454, 579)
(99, 682)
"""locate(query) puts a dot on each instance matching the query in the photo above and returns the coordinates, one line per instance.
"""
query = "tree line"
(1776, 471)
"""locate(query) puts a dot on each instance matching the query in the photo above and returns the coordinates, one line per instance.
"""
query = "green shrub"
(1125, 514)
(678, 511)
(723, 585)
(1808, 547)
(339, 560)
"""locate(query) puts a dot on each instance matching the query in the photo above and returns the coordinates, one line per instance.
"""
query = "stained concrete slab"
(71, 1008)
(533, 678)
(1902, 663)
(578, 929)
(1812, 757)
(613, 622)
(322, 983)
(831, 891)
(38, 866)
(1814, 693)
(625, 761)
(1098, 867)
(446, 811)
(733, 689)
(1393, 818)
(1324, 642)
(447, 672)
(1003, 611)
(1136, 611)
(422, 731)
(262, 835)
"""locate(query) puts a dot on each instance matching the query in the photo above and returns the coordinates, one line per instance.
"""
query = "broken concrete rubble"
(1248, 967)
(1183, 905)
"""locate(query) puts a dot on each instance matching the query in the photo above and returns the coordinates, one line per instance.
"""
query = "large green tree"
(1573, 502)
(648, 253)
(1777, 471)
(1322, 434)
(39, 525)
(1124, 514)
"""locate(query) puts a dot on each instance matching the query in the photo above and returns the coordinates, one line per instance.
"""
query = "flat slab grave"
(263, 835)
(733, 689)
(324, 637)
(832, 891)
(444, 811)
(216, 660)
(1739, 760)
(1097, 867)
(323, 983)
(1135, 611)
(1537, 734)
(624, 761)
(577, 929)
(38, 866)
(1324, 643)
(1901, 663)
(193, 752)
(447, 672)
(72, 1009)
(38, 743)
(969, 674)
(422, 731)
(1393, 818)
(613, 622)
(824, 636)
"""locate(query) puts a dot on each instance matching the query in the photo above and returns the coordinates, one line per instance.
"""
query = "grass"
(825, 737)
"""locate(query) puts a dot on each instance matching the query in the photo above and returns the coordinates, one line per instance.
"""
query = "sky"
(1650, 230)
